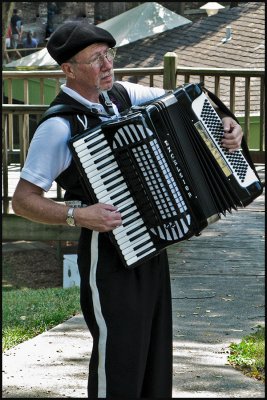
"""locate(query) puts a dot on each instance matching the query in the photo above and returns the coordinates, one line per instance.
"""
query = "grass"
(29, 312)
(249, 354)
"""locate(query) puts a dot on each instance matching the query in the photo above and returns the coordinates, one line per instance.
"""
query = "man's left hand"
(232, 134)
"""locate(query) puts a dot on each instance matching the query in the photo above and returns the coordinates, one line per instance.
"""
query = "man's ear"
(68, 70)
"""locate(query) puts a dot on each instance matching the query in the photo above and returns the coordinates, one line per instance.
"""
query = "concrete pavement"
(218, 298)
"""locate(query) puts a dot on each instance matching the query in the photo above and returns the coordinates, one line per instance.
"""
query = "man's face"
(92, 69)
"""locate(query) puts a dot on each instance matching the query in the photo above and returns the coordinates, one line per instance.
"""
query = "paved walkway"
(218, 297)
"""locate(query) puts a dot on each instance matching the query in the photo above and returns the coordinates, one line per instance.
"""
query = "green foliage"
(249, 354)
(29, 312)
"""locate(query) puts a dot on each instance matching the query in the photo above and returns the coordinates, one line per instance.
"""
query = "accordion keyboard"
(109, 186)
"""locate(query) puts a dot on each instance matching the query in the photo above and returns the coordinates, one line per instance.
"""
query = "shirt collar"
(87, 103)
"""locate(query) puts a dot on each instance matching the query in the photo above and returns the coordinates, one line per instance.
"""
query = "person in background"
(16, 27)
(29, 42)
(128, 311)
(8, 37)
(8, 43)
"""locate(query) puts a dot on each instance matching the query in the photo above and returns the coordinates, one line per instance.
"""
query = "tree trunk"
(7, 11)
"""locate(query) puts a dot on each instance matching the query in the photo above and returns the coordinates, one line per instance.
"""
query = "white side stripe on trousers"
(99, 318)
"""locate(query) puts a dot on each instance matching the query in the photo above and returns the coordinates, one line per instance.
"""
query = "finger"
(231, 139)
(227, 128)
(113, 216)
(108, 207)
(230, 144)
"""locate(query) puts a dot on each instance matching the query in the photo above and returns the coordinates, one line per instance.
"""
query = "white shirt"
(49, 154)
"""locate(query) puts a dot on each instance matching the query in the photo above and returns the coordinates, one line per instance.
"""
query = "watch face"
(70, 221)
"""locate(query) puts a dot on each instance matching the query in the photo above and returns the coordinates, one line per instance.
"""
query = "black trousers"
(128, 313)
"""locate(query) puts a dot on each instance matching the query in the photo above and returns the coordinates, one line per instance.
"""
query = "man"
(17, 28)
(128, 312)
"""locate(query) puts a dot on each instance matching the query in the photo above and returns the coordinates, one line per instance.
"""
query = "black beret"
(72, 37)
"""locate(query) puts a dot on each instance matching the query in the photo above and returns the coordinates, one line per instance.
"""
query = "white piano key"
(134, 259)
(122, 236)
(127, 244)
(121, 199)
(93, 159)
(99, 182)
(78, 142)
(122, 230)
(99, 186)
(127, 206)
(93, 172)
(128, 219)
(84, 144)
(107, 196)
(90, 151)
(129, 255)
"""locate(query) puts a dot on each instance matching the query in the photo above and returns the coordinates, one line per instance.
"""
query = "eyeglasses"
(98, 61)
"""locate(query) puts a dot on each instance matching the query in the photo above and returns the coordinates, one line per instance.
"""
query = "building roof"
(40, 59)
(142, 21)
(201, 44)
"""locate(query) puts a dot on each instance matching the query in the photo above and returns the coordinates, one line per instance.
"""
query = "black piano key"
(129, 214)
(131, 221)
(105, 183)
(106, 174)
(89, 146)
(110, 188)
(105, 146)
(98, 160)
(139, 246)
(105, 164)
(119, 193)
(144, 251)
(133, 238)
(116, 203)
(92, 136)
(135, 229)
(126, 207)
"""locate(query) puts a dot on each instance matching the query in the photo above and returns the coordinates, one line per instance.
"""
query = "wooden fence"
(170, 76)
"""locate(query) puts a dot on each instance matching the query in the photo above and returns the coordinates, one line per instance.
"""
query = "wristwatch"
(70, 217)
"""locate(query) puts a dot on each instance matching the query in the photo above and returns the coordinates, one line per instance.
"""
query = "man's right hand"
(98, 217)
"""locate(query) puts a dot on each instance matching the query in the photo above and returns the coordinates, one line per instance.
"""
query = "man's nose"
(106, 61)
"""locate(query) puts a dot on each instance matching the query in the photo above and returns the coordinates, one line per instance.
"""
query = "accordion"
(163, 166)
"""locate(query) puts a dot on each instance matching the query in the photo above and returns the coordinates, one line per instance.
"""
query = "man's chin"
(107, 85)
(105, 88)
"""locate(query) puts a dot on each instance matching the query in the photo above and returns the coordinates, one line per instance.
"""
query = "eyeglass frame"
(99, 60)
